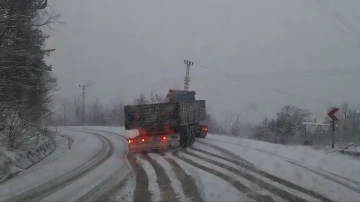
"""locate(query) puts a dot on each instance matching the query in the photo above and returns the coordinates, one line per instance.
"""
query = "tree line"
(26, 81)
(98, 113)
(287, 127)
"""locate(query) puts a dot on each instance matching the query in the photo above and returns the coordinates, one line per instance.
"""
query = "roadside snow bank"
(331, 162)
(13, 162)
(114, 129)
(85, 148)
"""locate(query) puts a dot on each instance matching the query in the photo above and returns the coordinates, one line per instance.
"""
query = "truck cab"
(180, 96)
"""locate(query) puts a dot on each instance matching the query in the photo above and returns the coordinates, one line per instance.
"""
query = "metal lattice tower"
(83, 103)
(188, 64)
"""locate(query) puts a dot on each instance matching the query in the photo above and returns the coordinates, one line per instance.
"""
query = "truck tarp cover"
(152, 115)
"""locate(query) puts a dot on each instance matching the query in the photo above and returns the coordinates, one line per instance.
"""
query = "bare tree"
(77, 108)
(160, 98)
(229, 121)
(141, 100)
(96, 113)
(115, 112)
(152, 98)
(213, 125)
(235, 127)
(65, 109)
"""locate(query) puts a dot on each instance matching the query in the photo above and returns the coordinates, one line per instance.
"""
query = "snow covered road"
(217, 168)
(92, 160)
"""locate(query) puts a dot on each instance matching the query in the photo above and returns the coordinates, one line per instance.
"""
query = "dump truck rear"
(164, 125)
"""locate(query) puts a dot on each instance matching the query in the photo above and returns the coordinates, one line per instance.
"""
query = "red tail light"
(131, 141)
(163, 138)
(204, 128)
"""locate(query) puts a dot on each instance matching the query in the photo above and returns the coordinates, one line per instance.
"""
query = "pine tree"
(25, 78)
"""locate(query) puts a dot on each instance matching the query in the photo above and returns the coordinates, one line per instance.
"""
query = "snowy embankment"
(14, 162)
(83, 148)
(330, 174)
(306, 156)
(118, 130)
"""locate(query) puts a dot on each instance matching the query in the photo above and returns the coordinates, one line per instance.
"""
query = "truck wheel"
(193, 138)
(186, 140)
(183, 141)
(189, 139)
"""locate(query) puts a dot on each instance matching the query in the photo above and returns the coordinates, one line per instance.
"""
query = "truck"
(173, 124)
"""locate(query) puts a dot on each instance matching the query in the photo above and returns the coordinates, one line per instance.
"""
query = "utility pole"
(83, 103)
(188, 64)
(333, 134)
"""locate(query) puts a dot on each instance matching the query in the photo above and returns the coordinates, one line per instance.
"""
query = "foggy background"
(250, 56)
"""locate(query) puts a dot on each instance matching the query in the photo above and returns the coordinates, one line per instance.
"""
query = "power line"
(350, 8)
(281, 74)
(303, 72)
(331, 74)
(145, 73)
(260, 85)
(341, 19)
(317, 72)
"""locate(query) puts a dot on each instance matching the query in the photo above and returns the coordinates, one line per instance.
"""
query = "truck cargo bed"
(156, 115)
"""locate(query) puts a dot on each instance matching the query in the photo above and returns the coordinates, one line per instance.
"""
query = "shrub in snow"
(4, 165)
(285, 128)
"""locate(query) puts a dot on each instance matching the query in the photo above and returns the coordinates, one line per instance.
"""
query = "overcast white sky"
(252, 56)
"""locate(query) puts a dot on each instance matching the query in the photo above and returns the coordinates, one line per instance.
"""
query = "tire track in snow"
(111, 186)
(103, 191)
(190, 191)
(227, 153)
(236, 184)
(141, 192)
(344, 178)
(267, 175)
(189, 186)
(168, 193)
(43, 190)
(357, 190)
(187, 182)
(265, 185)
(142, 178)
(322, 173)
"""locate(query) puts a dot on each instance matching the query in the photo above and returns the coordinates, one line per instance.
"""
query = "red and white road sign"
(334, 113)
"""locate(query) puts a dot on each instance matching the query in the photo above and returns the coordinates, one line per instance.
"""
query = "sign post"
(333, 114)
(333, 134)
